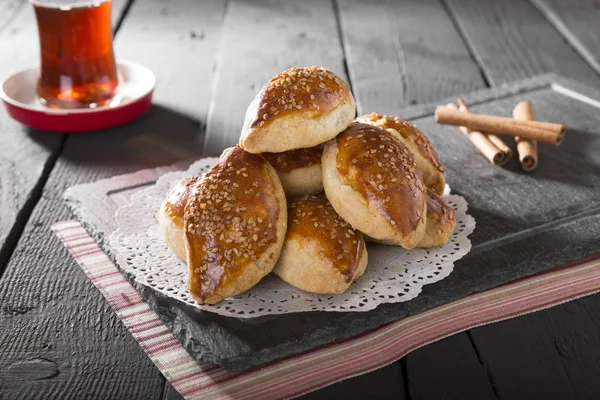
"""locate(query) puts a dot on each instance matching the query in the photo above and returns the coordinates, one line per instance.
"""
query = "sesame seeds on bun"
(300, 107)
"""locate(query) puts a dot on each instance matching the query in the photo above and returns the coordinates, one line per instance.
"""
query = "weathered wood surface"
(51, 317)
(384, 383)
(577, 22)
(509, 40)
(558, 362)
(512, 40)
(8, 10)
(26, 156)
(261, 39)
(180, 45)
(448, 369)
(395, 59)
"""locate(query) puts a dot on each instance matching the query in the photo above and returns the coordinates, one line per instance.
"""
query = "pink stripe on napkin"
(312, 370)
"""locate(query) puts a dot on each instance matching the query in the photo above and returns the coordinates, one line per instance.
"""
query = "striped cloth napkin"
(315, 369)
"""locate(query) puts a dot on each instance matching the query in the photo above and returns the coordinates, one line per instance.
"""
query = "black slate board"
(526, 224)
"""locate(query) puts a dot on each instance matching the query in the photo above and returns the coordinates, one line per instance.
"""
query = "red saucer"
(132, 98)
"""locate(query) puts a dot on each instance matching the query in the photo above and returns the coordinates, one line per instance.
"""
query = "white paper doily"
(393, 273)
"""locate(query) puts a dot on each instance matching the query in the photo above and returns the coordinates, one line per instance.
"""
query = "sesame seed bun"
(413, 138)
(321, 252)
(299, 170)
(300, 107)
(235, 221)
(373, 182)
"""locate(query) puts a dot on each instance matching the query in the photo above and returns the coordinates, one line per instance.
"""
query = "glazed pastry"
(321, 252)
(170, 217)
(413, 138)
(440, 224)
(373, 182)
(300, 107)
(234, 224)
(299, 170)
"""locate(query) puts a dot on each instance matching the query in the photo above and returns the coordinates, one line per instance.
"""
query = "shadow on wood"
(162, 136)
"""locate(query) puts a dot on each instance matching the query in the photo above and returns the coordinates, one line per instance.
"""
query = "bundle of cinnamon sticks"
(482, 129)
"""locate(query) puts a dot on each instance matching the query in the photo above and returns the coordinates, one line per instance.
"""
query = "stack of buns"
(307, 185)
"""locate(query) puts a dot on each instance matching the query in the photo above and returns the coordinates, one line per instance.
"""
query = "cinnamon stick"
(541, 131)
(462, 106)
(526, 148)
(501, 145)
(481, 141)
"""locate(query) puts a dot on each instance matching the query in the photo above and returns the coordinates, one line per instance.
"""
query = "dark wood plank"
(558, 362)
(512, 40)
(448, 369)
(51, 317)
(170, 393)
(395, 58)
(50, 310)
(26, 156)
(261, 39)
(577, 22)
(384, 383)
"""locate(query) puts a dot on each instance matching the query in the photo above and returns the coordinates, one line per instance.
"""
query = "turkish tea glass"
(78, 68)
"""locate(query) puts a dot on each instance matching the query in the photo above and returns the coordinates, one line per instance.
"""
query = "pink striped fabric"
(315, 369)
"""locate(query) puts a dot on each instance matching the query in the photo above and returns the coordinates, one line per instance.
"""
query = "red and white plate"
(133, 98)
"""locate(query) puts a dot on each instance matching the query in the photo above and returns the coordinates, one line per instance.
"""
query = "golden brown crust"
(170, 217)
(441, 222)
(234, 226)
(299, 89)
(339, 245)
(322, 253)
(177, 198)
(293, 159)
(417, 142)
(384, 172)
(301, 107)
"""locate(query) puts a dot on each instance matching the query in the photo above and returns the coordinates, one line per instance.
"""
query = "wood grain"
(261, 39)
(384, 383)
(551, 354)
(51, 317)
(8, 10)
(577, 22)
(49, 309)
(118, 10)
(512, 40)
(26, 155)
(170, 393)
(178, 41)
(395, 58)
(448, 369)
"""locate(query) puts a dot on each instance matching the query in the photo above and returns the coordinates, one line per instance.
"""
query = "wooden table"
(58, 336)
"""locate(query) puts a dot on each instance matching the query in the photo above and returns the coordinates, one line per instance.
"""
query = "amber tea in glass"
(78, 68)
